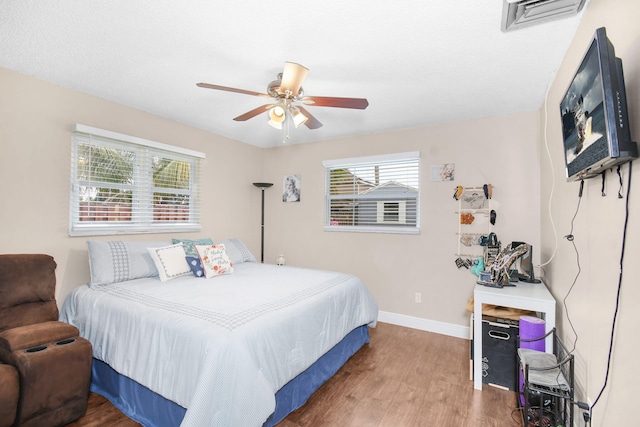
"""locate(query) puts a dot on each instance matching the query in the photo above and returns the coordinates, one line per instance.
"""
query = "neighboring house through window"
(122, 185)
(373, 194)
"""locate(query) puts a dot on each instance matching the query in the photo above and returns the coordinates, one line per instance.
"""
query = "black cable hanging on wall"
(615, 313)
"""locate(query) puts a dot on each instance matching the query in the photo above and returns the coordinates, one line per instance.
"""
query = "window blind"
(122, 184)
(373, 194)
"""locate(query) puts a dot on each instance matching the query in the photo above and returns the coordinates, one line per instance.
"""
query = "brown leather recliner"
(9, 391)
(52, 361)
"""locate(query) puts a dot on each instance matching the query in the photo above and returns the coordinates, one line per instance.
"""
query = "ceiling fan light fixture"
(287, 100)
(298, 117)
(277, 115)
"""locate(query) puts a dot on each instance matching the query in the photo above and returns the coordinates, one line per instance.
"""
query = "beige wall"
(501, 151)
(598, 234)
(36, 119)
(35, 143)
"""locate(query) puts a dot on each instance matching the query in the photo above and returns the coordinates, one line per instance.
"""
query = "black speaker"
(525, 264)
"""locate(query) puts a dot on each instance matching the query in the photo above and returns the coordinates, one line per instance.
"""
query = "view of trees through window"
(115, 184)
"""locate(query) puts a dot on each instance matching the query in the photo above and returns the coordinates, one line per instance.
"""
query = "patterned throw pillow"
(190, 245)
(170, 261)
(195, 265)
(215, 260)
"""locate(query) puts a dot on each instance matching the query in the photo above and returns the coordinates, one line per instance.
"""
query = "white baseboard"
(424, 324)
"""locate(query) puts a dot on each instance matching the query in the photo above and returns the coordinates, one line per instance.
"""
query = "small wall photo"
(445, 172)
(291, 188)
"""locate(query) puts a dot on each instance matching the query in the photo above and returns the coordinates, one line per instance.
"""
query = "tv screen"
(595, 122)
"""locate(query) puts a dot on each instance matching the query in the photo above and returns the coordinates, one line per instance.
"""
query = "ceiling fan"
(287, 100)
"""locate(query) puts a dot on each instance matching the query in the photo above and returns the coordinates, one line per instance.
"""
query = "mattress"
(222, 347)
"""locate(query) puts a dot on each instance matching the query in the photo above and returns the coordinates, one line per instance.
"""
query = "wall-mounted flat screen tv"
(595, 122)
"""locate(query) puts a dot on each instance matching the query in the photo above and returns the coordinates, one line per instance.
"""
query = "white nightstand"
(528, 296)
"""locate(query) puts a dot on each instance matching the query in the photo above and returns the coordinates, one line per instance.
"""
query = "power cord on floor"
(519, 418)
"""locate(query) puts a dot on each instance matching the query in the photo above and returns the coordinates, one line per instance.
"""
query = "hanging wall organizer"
(475, 219)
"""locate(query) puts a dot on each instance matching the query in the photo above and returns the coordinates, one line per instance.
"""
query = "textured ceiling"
(417, 62)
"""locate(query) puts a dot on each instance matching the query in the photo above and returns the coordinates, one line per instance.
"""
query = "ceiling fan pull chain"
(285, 128)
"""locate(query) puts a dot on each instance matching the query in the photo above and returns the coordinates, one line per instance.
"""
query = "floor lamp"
(262, 186)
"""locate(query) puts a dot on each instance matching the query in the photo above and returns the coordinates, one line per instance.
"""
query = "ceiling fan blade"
(251, 114)
(230, 89)
(292, 77)
(332, 101)
(312, 122)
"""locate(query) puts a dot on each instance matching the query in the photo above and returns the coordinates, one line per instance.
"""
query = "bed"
(243, 348)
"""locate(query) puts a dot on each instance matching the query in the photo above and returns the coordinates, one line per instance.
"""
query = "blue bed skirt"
(152, 410)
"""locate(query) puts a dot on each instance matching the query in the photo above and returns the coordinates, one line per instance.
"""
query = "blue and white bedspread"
(220, 347)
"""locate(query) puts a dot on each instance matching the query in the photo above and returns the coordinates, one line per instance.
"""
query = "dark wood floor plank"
(403, 378)
(405, 407)
(100, 412)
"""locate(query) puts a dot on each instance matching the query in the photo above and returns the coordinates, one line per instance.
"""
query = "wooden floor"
(404, 377)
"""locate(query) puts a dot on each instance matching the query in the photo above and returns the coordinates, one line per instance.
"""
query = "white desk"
(527, 296)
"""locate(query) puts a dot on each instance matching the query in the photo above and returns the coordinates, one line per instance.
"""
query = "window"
(389, 212)
(373, 194)
(124, 185)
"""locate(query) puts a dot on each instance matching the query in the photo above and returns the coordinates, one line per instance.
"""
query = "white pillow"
(215, 260)
(170, 261)
(237, 251)
(119, 261)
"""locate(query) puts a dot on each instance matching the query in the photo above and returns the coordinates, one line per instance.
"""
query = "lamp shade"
(277, 116)
(298, 117)
(262, 184)
(292, 77)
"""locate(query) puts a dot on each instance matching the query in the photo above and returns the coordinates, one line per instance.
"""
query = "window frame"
(142, 191)
(380, 225)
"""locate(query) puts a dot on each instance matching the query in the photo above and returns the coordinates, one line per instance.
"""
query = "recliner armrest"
(24, 337)
(9, 393)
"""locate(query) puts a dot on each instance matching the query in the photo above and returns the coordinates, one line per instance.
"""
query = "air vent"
(524, 13)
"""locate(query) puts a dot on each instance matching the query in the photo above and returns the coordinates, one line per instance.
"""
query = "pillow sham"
(237, 251)
(190, 245)
(170, 261)
(118, 261)
(215, 260)
(195, 265)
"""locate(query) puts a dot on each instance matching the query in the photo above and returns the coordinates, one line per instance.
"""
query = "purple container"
(530, 327)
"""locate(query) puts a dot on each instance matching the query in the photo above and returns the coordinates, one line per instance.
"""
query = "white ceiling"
(417, 62)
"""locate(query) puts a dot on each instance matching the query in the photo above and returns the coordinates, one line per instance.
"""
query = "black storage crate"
(499, 347)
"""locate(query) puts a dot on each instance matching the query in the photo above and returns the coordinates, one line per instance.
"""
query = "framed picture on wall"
(445, 172)
(291, 188)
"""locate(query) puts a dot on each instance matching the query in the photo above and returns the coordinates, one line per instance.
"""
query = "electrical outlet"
(418, 297)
